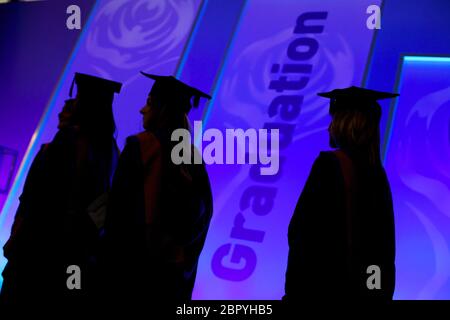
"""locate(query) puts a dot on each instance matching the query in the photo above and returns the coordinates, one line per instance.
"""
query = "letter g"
(240, 255)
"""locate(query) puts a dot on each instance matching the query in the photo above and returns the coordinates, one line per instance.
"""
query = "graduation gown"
(343, 223)
(157, 223)
(52, 229)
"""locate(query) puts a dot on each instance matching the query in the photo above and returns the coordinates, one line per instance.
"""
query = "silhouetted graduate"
(344, 221)
(159, 212)
(52, 228)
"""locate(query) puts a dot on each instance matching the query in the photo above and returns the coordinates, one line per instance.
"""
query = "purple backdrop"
(246, 249)
(418, 167)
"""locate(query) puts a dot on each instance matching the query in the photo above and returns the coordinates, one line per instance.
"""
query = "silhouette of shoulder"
(325, 165)
(146, 143)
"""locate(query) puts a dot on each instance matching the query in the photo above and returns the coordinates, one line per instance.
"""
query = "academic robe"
(52, 229)
(157, 223)
(343, 223)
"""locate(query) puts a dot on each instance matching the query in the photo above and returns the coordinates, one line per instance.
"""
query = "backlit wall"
(264, 61)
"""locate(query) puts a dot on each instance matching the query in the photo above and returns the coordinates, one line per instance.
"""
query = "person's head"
(169, 103)
(355, 121)
(357, 130)
(149, 114)
(93, 112)
(160, 113)
(66, 116)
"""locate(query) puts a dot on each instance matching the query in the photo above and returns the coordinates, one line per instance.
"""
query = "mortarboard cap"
(352, 98)
(171, 89)
(90, 83)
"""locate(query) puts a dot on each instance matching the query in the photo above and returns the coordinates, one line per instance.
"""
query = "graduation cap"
(356, 98)
(172, 90)
(99, 86)
(94, 112)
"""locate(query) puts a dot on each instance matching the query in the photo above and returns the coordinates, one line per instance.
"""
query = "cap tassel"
(71, 87)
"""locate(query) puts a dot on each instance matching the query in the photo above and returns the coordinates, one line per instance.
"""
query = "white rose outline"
(131, 34)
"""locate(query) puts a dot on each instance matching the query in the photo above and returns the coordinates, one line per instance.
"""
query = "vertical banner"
(283, 53)
(418, 168)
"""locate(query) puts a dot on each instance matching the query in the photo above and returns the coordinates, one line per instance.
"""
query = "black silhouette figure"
(344, 221)
(52, 229)
(159, 212)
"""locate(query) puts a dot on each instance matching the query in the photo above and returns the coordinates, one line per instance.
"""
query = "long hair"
(94, 117)
(358, 132)
(170, 115)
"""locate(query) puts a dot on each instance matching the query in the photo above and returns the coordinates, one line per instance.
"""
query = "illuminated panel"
(119, 39)
(418, 167)
(8, 158)
(245, 254)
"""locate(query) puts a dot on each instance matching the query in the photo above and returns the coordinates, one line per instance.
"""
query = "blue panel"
(418, 167)
(413, 26)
